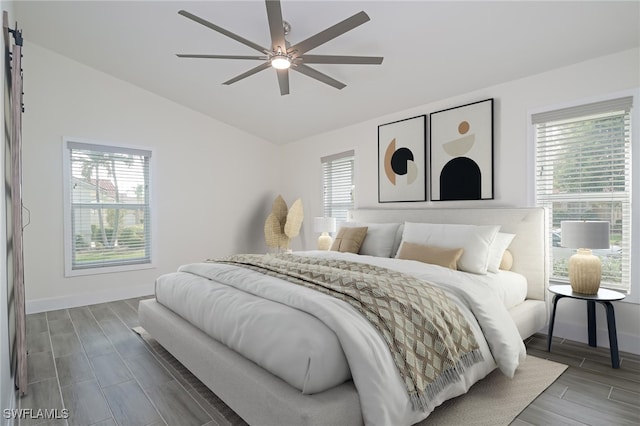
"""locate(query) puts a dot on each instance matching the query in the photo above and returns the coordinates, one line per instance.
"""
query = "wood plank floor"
(589, 392)
(88, 360)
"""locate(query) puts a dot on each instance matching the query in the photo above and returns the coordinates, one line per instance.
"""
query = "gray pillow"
(379, 240)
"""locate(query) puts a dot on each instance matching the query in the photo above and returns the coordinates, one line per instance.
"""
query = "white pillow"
(379, 240)
(474, 239)
(496, 251)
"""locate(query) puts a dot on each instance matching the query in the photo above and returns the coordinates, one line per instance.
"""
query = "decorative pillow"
(349, 239)
(507, 261)
(499, 245)
(430, 254)
(379, 239)
(474, 239)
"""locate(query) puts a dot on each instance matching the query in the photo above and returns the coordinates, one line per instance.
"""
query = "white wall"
(213, 183)
(512, 156)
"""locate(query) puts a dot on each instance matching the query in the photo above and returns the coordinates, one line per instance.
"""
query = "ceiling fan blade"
(283, 81)
(330, 33)
(310, 72)
(276, 26)
(223, 31)
(252, 71)
(186, 55)
(336, 59)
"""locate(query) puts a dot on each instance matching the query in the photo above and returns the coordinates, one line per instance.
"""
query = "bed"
(289, 397)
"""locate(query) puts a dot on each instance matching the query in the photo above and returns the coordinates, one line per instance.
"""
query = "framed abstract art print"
(402, 160)
(461, 152)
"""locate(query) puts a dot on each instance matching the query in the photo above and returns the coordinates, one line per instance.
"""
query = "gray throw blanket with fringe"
(429, 338)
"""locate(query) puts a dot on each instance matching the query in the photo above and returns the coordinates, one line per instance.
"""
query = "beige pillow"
(507, 261)
(430, 254)
(475, 240)
(349, 239)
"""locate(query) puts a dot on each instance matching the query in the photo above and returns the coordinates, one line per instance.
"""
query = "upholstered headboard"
(528, 224)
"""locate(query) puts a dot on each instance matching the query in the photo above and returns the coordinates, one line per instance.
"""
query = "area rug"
(495, 400)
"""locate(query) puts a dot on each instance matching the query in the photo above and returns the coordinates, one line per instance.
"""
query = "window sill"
(107, 269)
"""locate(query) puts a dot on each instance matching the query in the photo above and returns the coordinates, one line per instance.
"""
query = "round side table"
(604, 297)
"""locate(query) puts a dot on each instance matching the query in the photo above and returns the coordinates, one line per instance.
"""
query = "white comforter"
(383, 398)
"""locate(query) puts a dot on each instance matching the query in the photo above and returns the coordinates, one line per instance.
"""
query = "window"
(338, 185)
(583, 172)
(107, 209)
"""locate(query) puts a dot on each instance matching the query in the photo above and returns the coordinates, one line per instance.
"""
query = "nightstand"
(604, 297)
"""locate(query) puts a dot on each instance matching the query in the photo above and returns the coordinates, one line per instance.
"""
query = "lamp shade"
(592, 234)
(324, 224)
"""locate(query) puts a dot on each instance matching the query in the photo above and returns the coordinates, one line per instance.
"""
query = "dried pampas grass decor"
(282, 224)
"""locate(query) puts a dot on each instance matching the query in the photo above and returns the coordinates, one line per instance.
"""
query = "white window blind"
(583, 172)
(338, 185)
(107, 196)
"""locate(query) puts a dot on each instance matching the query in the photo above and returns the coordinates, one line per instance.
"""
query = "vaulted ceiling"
(432, 50)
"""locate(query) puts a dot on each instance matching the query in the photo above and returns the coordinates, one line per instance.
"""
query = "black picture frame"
(461, 152)
(402, 160)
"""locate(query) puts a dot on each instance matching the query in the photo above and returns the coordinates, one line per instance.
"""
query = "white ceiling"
(432, 50)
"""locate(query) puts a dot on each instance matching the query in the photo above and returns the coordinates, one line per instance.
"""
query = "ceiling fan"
(282, 56)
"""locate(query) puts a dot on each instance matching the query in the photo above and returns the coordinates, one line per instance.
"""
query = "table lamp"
(585, 269)
(324, 225)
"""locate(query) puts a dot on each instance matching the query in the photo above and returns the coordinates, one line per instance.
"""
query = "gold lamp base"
(324, 241)
(585, 271)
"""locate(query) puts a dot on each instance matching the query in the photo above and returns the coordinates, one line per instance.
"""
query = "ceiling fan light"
(280, 62)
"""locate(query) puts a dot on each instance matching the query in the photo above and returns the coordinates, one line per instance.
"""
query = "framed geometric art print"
(402, 160)
(461, 152)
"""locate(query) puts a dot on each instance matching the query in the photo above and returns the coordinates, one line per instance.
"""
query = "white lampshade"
(592, 234)
(324, 224)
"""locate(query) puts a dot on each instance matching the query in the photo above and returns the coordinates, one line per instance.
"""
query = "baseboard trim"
(73, 300)
(578, 333)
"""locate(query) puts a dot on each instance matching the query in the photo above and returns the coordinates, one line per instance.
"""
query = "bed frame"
(262, 398)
